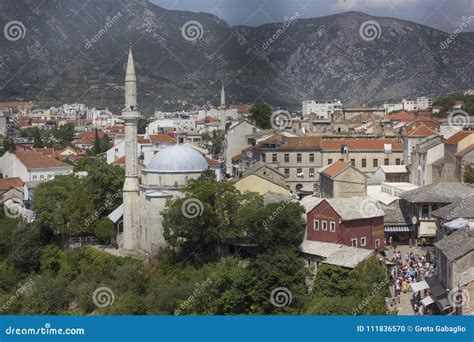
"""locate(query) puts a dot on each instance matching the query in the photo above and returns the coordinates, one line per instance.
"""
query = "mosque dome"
(178, 158)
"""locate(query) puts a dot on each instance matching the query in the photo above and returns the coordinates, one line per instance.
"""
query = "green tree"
(261, 114)
(468, 176)
(105, 143)
(63, 206)
(38, 140)
(97, 149)
(215, 141)
(105, 230)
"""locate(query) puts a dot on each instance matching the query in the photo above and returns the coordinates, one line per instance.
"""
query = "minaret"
(222, 110)
(130, 116)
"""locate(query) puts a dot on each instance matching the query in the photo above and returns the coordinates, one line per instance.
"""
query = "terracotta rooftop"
(8, 183)
(335, 168)
(144, 141)
(361, 144)
(162, 138)
(47, 152)
(119, 161)
(465, 150)
(35, 160)
(400, 116)
(457, 137)
(293, 143)
(420, 131)
(212, 162)
(237, 157)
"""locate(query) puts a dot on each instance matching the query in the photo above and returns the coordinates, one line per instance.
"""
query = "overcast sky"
(445, 15)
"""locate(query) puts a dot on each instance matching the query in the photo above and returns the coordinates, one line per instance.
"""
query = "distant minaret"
(222, 109)
(130, 116)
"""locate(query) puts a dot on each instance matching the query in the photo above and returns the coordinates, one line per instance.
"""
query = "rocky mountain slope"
(75, 51)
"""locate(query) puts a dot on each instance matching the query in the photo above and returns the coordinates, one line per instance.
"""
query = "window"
(375, 162)
(364, 162)
(116, 149)
(329, 161)
(397, 161)
(287, 157)
(325, 225)
(311, 157)
(287, 172)
(332, 226)
(41, 177)
(35, 178)
(311, 173)
(274, 157)
(386, 161)
(316, 225)
(298, 158)
(377, 243)
(353, 162)
(299, 173)
(354, 242)
(264, 159)
(363, 241)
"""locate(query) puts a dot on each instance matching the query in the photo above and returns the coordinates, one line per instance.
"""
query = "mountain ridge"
(52, 62)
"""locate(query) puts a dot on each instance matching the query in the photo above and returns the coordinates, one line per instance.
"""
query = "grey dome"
(178, 158)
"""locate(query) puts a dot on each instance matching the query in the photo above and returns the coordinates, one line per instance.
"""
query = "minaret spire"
(222, 114)
(130, 115)
(222, 97)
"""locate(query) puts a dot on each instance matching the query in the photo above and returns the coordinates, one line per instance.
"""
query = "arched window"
(299, 187)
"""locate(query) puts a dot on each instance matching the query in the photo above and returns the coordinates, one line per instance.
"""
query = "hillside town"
(391, 182)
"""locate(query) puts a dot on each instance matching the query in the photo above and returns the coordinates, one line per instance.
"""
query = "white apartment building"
(323, 109)
(418, 104)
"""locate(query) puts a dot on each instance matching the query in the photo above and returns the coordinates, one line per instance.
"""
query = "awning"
(437, 291)
(427, 229)
(444, 304)
(421, 285)
(459, 223)
(398, 229)
(427, 301)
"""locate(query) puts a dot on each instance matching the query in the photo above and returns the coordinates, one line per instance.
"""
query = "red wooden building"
(353, 221)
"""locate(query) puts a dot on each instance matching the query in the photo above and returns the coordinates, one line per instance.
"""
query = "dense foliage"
(261, 114)
(449, 101)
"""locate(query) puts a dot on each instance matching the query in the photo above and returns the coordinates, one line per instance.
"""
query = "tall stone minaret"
(130, 115)
(222, 110)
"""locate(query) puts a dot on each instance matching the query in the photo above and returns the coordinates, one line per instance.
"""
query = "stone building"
(364, 154)
(341, 179)
(298, 158)
(425, 156)
(456, 143)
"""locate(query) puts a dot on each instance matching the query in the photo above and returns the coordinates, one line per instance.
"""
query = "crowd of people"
(411, 268)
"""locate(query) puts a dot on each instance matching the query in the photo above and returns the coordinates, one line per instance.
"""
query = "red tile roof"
(465, 151)
(144, 141)
(293, 143)
(35, 160)
(237, 157)
(419, 131)
(8, 183)
(335, 168)
(47, 152)
(457, 137)
(361, 144)
(162, 138)
(400, 116)
(212, 162)
(120, 161)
